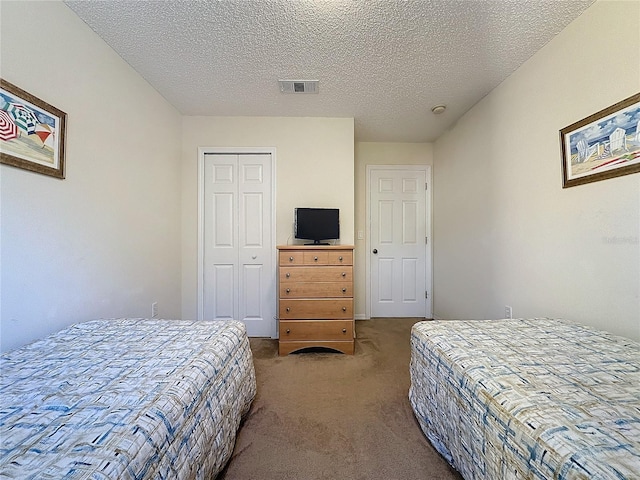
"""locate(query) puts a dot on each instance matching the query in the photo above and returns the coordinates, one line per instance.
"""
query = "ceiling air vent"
(298, 86)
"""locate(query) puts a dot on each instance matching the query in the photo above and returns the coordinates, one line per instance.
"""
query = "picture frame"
(603, 145)
(32, 132)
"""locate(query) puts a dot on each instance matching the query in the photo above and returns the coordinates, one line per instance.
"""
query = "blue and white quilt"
(125, 399)
(528, 399)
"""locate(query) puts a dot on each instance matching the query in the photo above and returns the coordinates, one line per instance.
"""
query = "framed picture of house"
(603, 145)
(32, 132)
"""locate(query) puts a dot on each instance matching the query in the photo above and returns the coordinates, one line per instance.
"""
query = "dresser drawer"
(312, 330)
(316, 308)
(290, 258)
(341, 257)
(316, 274)
(316, 258)
(316, 290)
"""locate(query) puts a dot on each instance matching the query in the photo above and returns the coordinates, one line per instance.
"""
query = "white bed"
(528, 399)
(125, 399)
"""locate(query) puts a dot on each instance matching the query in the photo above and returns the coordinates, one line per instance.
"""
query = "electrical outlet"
(154, 310)
(508, 311)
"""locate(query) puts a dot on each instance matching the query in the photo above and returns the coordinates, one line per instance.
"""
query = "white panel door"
(238, 272)
(398, 243)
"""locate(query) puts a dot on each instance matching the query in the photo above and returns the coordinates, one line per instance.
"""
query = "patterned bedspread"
(125, 399)
(528, 399)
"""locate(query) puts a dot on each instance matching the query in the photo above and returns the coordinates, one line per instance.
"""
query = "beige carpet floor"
(324, 415)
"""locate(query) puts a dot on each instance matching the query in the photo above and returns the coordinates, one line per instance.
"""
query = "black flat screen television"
(317, 224)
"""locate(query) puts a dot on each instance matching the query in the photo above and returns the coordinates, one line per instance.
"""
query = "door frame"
(428, 245)
(202, 152)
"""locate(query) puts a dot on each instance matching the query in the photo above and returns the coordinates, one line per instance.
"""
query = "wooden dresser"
(315, 307)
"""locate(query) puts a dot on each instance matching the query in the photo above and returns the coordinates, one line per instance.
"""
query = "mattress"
(125, 399)
(528, 399)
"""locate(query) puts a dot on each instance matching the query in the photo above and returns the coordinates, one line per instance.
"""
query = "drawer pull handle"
(288, 309)
(344, 309)
(291, 259)
(315, 259)
(288, 331)
(344, 330)
(288, 275)
(288, 290)
(344, 274)
(340, 258)
(344, 290)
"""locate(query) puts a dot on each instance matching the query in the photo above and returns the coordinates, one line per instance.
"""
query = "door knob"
(375, 251)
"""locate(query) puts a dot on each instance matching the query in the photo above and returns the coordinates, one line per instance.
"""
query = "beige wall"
(375, 153)
(314, 168)
(505, 231)
(105, 241)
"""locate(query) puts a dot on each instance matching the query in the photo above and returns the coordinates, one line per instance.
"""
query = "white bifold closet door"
(238, 253)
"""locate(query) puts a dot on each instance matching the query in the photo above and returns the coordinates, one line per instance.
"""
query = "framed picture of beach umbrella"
(32, 132)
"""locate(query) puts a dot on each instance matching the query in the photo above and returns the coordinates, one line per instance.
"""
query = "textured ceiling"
(385, 63)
